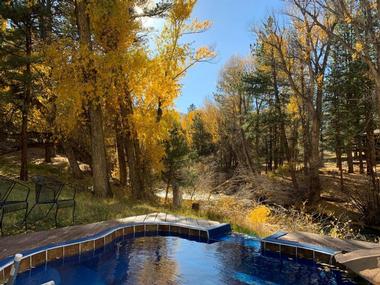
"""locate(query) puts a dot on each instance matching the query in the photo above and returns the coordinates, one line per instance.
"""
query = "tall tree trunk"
(350, 161)
(294, 143)
(284, 139)
(168, 182)
(306, 145)
(338, 151)
(257, 131)
(246, 152)
(316, 119)
(371, 149)
(46, 30)
(361, 164)
(340, 166)
(321, 150)
(132, 149)
(49, 150)
(26, 101)
(98, 150)
(266, 156)
(275, 148)
(177, 196)
(314, 181)
(24, 144)
(121, 154)
(270, 159)
(247, 156)
(373, 203)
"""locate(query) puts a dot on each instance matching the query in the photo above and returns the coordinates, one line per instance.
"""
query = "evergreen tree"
(18, 56)
(176, 151)
(201, 138)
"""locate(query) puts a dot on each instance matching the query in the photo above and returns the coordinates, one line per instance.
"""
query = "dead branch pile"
(245, 185)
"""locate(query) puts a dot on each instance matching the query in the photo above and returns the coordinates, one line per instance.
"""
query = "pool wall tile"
(289, 250)
(7, 272)
(87, 246)
(175, 230)
(25, 264)
(129, 230)
(203, 234)
(184, 231)
(140, 229)
(322, 257)
(99, 243)
(2, 276)
(272, 247)
(194, 233)
(108, 239)
(38, 259)
(151, 228)
(305, 253)
(55, 253)
(119, 233)
(71, 250)
(163, 228)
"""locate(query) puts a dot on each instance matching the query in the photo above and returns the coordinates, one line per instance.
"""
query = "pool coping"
(130, 229)
(314, 252)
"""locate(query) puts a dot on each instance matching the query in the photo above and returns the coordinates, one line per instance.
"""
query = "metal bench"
(10, 201)
(48, 192)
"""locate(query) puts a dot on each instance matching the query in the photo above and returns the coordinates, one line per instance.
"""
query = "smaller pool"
(234, 260)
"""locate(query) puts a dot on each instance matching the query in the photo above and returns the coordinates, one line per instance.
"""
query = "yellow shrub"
(259, 215)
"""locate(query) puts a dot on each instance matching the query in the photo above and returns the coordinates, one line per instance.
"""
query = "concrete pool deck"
(41, 247)
(361, 257)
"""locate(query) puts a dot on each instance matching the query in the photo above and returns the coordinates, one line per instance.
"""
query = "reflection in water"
(234, 260)
(153, 262)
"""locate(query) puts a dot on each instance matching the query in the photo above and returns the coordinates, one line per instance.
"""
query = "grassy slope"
(92, 209)
(89, 208)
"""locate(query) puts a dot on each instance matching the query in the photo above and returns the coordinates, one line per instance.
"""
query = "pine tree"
(176, 153)
(18, 56)
(201, 138)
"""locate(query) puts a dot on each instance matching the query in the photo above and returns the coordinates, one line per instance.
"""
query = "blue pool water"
(234, 260)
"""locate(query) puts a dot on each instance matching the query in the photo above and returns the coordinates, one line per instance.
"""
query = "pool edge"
(53, 251)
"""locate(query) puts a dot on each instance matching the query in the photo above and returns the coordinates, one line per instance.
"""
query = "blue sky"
(229, 35)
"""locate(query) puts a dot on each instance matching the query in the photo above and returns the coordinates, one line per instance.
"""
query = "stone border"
(42, 255)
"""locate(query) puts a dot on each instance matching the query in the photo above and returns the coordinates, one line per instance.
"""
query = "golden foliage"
(119, 70)
(204, 53)
(359, 46)
(259, 215)
(210, 115)
(293, 107)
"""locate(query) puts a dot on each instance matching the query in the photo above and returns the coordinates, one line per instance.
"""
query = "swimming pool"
(234, 259)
